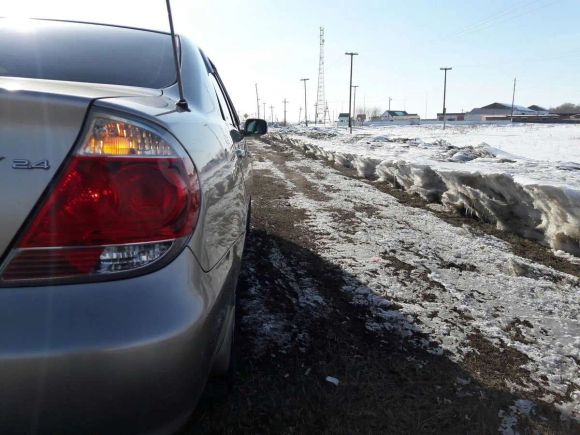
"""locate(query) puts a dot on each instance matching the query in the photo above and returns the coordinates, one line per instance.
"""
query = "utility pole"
(264, 111)
(257, 101)
(305, 104)
(299, 116)
(445, 69)
(351, 54)
(365, 104)
(513, 100)
(272, 113)
(389, 109)
(354, 102)
(285, 102)
(316, 113)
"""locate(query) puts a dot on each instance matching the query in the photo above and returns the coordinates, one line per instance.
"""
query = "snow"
(549, 142)
(523, 178)
(510, 418)
(420, 276)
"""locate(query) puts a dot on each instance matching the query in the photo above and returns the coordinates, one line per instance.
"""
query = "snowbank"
(535, 199)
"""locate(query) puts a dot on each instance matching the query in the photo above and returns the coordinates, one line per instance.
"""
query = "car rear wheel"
(223, 364)
(249, 218)
(221, 383)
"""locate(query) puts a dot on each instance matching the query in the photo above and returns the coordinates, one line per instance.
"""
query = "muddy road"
(360, 313)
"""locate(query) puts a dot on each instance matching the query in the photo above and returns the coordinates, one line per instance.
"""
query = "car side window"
(225, 111)
(230, 103)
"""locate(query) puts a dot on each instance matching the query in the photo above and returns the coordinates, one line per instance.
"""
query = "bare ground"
(387, 384)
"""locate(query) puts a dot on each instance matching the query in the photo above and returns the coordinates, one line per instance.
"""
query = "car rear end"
(105, 324)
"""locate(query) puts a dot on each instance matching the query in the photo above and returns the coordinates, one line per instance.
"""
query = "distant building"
(539, 109)
(399, 115)
(343, 118)
(549, 118)
(451, 116)
(496, 110)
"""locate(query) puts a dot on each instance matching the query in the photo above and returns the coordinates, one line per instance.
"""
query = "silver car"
(123, 215)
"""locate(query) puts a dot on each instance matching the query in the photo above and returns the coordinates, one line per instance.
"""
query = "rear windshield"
(85, 53)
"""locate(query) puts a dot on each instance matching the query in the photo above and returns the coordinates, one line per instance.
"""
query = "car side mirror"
(255, 127)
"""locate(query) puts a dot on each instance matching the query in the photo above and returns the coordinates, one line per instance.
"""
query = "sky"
(401, 46)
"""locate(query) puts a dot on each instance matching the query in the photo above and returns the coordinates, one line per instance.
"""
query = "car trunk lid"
(40, 122)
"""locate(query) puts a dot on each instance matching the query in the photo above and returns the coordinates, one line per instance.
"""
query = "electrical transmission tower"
(321, 104)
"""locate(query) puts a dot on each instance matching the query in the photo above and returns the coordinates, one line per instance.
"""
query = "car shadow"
(296, 327)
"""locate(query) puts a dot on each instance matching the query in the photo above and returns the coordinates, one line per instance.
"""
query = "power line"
(507, 17)
(566, 54)
(490, 18)
(513, 17)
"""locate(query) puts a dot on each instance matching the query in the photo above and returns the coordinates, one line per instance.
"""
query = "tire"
(221, 382)
(249, 219)
(223, 364)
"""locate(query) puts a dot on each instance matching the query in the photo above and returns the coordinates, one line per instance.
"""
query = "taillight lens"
(126, 199)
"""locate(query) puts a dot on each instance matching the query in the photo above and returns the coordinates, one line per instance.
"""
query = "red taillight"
(112, 200)
(113, 209)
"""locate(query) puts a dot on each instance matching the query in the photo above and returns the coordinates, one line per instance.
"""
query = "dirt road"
(424, 325)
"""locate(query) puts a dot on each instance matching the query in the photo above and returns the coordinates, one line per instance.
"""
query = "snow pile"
(535, 199)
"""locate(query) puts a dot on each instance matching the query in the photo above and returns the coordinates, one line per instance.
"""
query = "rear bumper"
(127, 356)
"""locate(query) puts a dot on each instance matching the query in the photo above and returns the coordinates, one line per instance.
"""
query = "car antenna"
(182, 103)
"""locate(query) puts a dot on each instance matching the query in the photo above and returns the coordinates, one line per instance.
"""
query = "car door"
(244, 160)
(229, 217)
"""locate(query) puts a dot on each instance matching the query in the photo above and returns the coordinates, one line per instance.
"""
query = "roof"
(537, 108)
(343, 115)
(395, 113)
(505, 106)
(92, 23)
